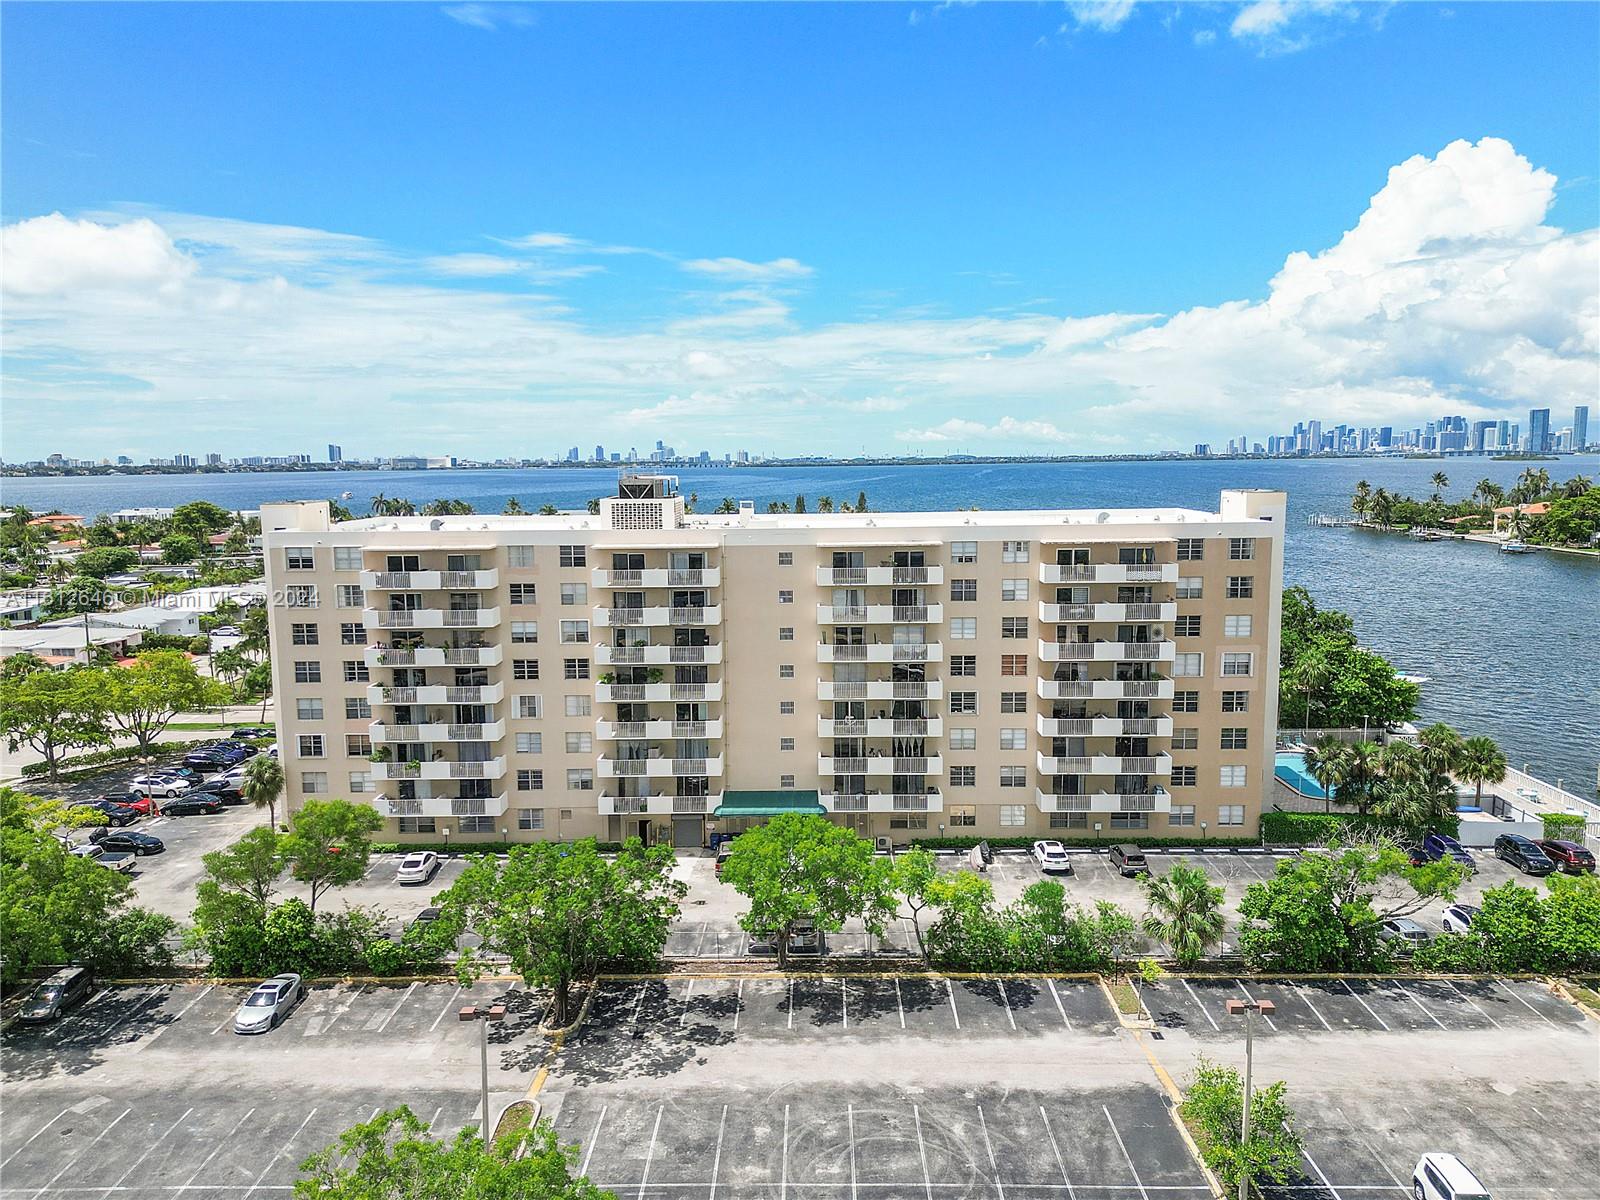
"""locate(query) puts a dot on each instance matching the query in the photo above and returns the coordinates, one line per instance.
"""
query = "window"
(786, 708)
(1235, 738)
(1191, 549)
(530, 818)
(1235, 702)
(1122, 820)
(1230, 814)
(303, 633)
(785, 596)
(525, 632)
(1013, 589)
(963, 776)
(520, 557)
(524, 668)
(308, 710)
(530, 743)
(1185, 702)
(785, 743)
(963, 589)
(350, 595)
(1186, 739)
(357, 745)
(963, 816)
(1181, 816)
(1013, 702)
(786, 781)
(1061, 820)
(1236, 627)
(575, 668)
(526, 593)
(352, 633)
(963, 628)
(579, 742)
(963, 703)
(1013, 815)
(964, 552)
(314, 783)
(1240, 549)
(347, 558)
(1186, 627)
(574, 556)
(475, 824)
(1241, 587)
(298, 558)
(786, 633)
(1013, 552)
(963, 739)
(786, 558)
(418, 825)
(1013, 664)
(573, 593)
(530, 707)
(1013, 777)
(963, 664)
(1013, 627)
(1238, 662)
(580, 779)
(573, 632)
(1232, 777)
(1013, 739)
(785, 670)
(1188, 666)
(310, 745)
(300, 595)
(579, 706)
(1190, 587)
(356, 708)
(355, 671)
(361, 781)
(308, 672)
(1185, 776)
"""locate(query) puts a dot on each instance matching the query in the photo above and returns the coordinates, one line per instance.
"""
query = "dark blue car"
(1441, 845)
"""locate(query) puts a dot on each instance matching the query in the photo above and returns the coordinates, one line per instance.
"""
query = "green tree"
(258, 682)
(199, 519)
(330, 843)
(727, 505)
(1184, 911)
(50, 711)
(230, 664)
(1571, 927)
(799, 867)
(253, 632)
(561, 913)
(1510, 925)
(1113, 934)
(548, 510)
(513, 508)
(799, 504)
(1480, 761)
(179, 548)
(106, 560)
(1214, 1106)
(250, 867)
(861, 502)
(915, 872)
(1361, 501)
(393, 1157)
(140, 700)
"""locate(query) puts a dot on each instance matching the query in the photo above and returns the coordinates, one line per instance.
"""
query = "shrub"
(98, 758)
(1311, 829)
(1565, 827)
(1452, 954)
(1080, 843)
(1213, 1110)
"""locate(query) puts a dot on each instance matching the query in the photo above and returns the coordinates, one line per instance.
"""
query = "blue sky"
(489, 229)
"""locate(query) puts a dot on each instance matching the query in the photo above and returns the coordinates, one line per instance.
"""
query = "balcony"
(432, 618)
(490, 731)
(881, 727)
(879, 576)
(882, 802)
(615, 618)
(1156, 800)
(1108, 573)
(887, 652)
(1105, 726)
(1106, 764)
(622, 656)
(621, 731)
(880, 764)
(1105, 689)
(493, 768)
(1058, 614)
(1162, 651)
(656, 768)
(880, 614)
(438, 693)
(880, 689)
(646, 693)
(656, 577)
(657, 805)
(442, 806)
(423, 581)
(432, 656)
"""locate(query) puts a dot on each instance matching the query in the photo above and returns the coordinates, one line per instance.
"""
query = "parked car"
(117, 810)
(267, 1006)
(1523, 854)
(1568, 857)
(417, 868)
(804, 938)
(244, 749)
(193, 804)
(120, 861)
(226, 631)
(161, 785)
(1129, 860)
(51, 999)
(724, 852)
(425, 918)
(1404, 934)
(1441, 845)
(177, 768)
(206, 762)
(224, 789)
(1440, 1176)
(143, 805)
(1052, 856)
(253, 731)
(1458, 918)
(127, 839)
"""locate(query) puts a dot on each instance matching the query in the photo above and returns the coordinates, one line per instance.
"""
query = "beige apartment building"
(647, 671)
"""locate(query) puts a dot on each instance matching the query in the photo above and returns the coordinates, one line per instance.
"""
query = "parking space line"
(274, 1160)
(398, 1005)
(844, 1004)
(1457, 989)
(215, 1150)
(449, 1005)
(1252, 1000)
(1332, 1191)
(1056, 1150)
(1298, 991)
(1006, 1000)
(638, 1001)
(150, 1148)
(1524, 1003)
(1365, 1005)
(922, 1151)
(1060, 1008)
(208, 989)
(1206, 1012)
(593, 1138)
(683, 1016)
(125, 1017)
(1413, 998)
(73, 1161)
(983, 1123)
(899, 1002)
(716, 1160)
(1365, 1145)
(738, 1004)
(651, 1152)
(433, 1121)
(951, 992)
(36, 1133)
(783, 1185)
(1139, 1183)
(700, 945)
(333, 1019)
(850, 1125)
(791, 1003)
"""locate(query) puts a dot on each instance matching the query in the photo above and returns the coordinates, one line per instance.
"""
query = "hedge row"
(1308, 829)
(100, 758)
(1103, 843)
(455, 847)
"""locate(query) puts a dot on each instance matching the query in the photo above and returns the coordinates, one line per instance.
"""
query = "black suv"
(1523, 854)
(192, 804)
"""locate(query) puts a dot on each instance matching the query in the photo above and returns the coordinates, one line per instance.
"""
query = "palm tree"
(402, 508)
(1361, 502)
(548, 510)
(1382, 507)
(380, 505)
(824, 504)
(1439, 747)
(728, 505)
(513, 508)
(1312, 675)
(1328, 762)
(1578, 485)
(1185, 912)
(1480, 761)
(1440, 481)
(263, 784)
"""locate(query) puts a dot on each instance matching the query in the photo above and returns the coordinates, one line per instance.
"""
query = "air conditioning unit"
(1158, 632)
(885, 845)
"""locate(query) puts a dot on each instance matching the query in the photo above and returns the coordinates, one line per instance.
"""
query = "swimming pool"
(1290, 766)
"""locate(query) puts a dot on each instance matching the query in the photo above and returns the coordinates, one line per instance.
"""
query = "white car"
(269, 1004)
(417, 868)
(1441, 1176)
(1052, 856)
(161, 785)
(1458, 918)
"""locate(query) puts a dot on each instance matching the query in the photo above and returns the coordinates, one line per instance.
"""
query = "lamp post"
(1249, 1008)
(1202, 831)
(483, 1014)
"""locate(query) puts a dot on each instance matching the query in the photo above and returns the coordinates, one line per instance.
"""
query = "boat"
(346, 495)
(1407, 677)
(1426, 535)
(1515, 548)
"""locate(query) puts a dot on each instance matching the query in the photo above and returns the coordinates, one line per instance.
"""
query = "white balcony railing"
(879, 652)
(621, 656)
(882, 802)
(621, 731)
(880, 689)
(655, 768)
(657, 805)
(432, 618)
(615, 618)
(1157, 800)
(442, 806)
(1105, 764)
(1104, 726)
(423, 581)
(438, 693)
(487, 731)
(657, 577)
(646, 693)
(1158, 651)
(880, 727)
(882, 764)
(434, 656)
(880, 614)
(1108, 573)
(1105, 689)
(1062, 614)
(880, 576)
(493, 768)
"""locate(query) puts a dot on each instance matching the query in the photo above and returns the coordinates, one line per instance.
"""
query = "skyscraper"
(335, 453)
(1580, 427)
(1539, 431)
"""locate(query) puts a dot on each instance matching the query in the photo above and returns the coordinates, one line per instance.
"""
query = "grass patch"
(516, 1120)
(1126, 996)
(217, 724)
(1586, 992)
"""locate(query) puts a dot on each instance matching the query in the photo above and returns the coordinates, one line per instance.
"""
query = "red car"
(1569, 857)
(145, 806)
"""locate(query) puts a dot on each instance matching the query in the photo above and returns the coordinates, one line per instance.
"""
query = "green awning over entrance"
(767, 804)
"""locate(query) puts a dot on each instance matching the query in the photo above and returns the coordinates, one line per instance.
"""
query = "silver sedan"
(269, 1004)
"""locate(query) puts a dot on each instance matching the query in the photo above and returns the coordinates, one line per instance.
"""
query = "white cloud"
(1204, 37)
(54, 255)
(741, 269)
(477, 265)
(1286, 26)
(1106, 16)
(1007, 429)
(489, 17)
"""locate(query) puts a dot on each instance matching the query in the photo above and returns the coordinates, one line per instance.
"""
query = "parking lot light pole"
(1249, 1008)
(483, 1014)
